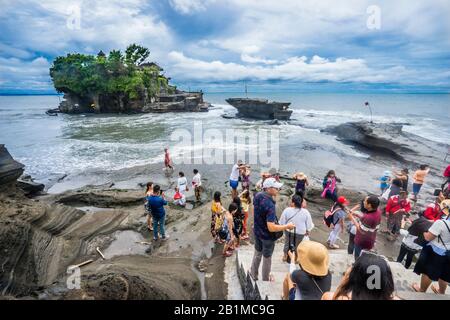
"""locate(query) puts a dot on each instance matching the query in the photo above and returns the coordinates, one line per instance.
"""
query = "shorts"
(234, 184)
(433, 265)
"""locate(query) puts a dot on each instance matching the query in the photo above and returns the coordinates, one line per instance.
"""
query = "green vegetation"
(119, 76)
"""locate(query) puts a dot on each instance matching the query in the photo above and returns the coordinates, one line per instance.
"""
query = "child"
(179, 198)
(217, 217)
(385, 181)
(197, 184)
(245, 203)
(410, 246)
(226, 233)
(338, 212)
(246, 178)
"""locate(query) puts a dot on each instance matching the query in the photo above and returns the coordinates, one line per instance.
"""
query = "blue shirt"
(156, 205)
(264, 211)
(384, 182)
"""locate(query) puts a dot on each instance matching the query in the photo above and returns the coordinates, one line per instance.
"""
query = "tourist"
(419, 179)
(179, 199)
(396, 208)
(367, 226)
(197, 184)
(329, 186)
(385, 181)
(156, 203)
(217, 216)
(403, 176)
(266, 228)
(274, 174)
(302, 220)
(226, 232)
(234, 177)
(245, 203)
(355, 283)
(434, 260)
(259, 184)
(148, 193)
(182, 183)
(238, 222)
(338, 213)
(301, 182)
(433, 211)
(313, 277)
(409, 247)
(395, 188)
(446, 178)
(167, 160)
(246, 178)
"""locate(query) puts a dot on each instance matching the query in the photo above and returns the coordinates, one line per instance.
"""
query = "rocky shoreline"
(42, 235)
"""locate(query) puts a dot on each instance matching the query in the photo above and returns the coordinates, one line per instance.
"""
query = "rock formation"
(10, 170)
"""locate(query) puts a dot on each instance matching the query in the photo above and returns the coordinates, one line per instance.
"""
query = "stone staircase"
(339, 262)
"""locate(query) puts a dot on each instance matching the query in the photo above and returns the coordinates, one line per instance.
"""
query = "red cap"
(343, 200)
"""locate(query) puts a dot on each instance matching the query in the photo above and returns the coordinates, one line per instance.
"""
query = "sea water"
(52, 146)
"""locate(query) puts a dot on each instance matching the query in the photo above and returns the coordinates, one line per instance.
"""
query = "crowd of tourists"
(426, 235)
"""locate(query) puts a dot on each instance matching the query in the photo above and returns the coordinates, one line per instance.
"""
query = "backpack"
(328, 217)
(223, 231)
(218, 222)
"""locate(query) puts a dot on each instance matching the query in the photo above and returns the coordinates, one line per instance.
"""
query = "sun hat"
(313, 258)
(387, 173)
(272, 183)
(302, 176)
(343, 200)
(240, 162)
(273, 171)
(445, 206)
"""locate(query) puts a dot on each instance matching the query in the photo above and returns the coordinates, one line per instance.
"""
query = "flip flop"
(435, 290)
(415, 287)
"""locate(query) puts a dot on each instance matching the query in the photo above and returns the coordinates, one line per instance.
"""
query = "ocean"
(80, 144)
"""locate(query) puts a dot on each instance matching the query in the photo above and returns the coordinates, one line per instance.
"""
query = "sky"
(216, 45)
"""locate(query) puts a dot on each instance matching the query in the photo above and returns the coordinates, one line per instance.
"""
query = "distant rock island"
(118, 83)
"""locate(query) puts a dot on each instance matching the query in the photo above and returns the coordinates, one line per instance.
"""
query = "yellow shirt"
(419, 176)
(245, 204)
(216, 207)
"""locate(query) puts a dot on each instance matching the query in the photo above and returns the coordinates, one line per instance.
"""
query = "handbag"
(278, 234)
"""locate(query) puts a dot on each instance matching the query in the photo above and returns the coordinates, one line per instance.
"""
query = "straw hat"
(445, 206)
(301, 176)
(313, 258)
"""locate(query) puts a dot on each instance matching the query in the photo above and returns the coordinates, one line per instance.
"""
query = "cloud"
(190, 6)
(225, 40)
(316, 69)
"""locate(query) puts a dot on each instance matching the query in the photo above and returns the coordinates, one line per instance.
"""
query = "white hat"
(272, 183)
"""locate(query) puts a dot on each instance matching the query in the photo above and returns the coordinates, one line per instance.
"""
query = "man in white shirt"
(197, 184)
(234, 177)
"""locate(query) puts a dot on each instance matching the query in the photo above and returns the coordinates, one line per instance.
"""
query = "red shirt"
(366, 238)
(394, 204)
(447, 172)
(433, 212)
